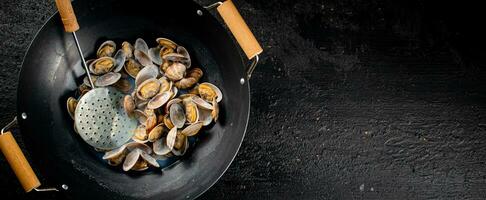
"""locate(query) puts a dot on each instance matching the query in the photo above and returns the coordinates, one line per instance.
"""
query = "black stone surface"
(353, 99)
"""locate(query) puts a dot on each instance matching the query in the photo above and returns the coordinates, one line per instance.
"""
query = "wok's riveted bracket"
(253, 57)
(6, 129)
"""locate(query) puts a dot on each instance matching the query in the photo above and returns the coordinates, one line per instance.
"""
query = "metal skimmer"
(101, 121)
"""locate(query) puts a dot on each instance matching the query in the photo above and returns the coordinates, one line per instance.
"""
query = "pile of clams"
(163, 92)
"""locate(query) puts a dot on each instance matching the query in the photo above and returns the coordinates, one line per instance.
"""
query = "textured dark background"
(353, 99)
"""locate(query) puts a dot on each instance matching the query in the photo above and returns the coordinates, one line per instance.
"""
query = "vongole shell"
(160, 146)
(142, 58)
(140, 116)
(192, 129)
(191, 111)
(136, 145)
(183, 51)
(106, 49)
(191, 78)
(146, 73)
(159, 100)
(177, 115)
(208, 92)
(140, 134)
(71, 106)
(167, 106)
(129, 105)
(151, 122)
(165, 85)
(164, 42)
(86, 80)
(201, 103)
(120, 59)
(148, 89)
(167, 122)
(102, 65)
(175, 57)
(205, 116)
(131, 159)
(150, 160)
(107, 79)
(127, 49)
(165, 65)
(215, 111)
(141, 45)
(181, 145)
(154, 55)
(171, 138)
(164, 51)
(132, 67)
(140, 165)
(156, 133)
(123, 85)
(175, 72)
(116, 156)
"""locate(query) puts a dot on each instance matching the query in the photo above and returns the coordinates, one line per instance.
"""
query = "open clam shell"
(148, 89)
(140, 134)
(127, 49)
(132, 67)
(107, 79)
(151, 122)
(205, 116)
(208, 92)
(102, 65)
(192, 129)
(183, 149)
(71, 106)
(160, 146)
(116, 156)
(177, 115)
(106, 49)
(150, 160)
(201, 103)
(129, 105)
(123, 85)
(191, 111)
(141, 45)
(131, 159)
(120, 59)
(167, 122)
(164, 42)
(154, 55)
(142, 57)
(183, 51)
(175, 72)
(140, 115)
(156, 133)
(171, 138)
(159, 100)
(135, 145)
(146, 73)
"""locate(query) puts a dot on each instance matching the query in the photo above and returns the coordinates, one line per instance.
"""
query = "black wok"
(52, 70)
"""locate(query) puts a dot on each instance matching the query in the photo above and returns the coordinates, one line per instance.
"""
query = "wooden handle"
(67, 15)
(17, 161)
(240, 30)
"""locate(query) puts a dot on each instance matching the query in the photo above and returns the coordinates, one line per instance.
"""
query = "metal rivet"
(24, 116)
(199, 12)
(65, 187)
(242, 81)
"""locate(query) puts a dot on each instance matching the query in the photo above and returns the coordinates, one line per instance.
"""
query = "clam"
(164, 51)
(120, 59)
(177, 115)
(131, 159)
(167, 122)
(102, 65)
(156, 133)
(175, 72)
(154, 55)
(175, 57)
(107, 79)
(151, 122)
(150, 160)
(215, 111)
(127, 49)
(167, 106)
(208, 92)
(181, 145)
(135, 145)
(160, 146)
(192, 113)
(183, 51)
(142, 57)
(146, 73)
(86, 80)
(140, 165)
(159, 100)
(140, 116)
(141, 45)
(191, 78)
(165, 65)
(171, 138)
(174, 92)
(71, 106)
(123, 85)
(116, 156)
(164, 42)
(201, 103)
(132, 67)
(140, 134)
(205, 116)
(165, 85)
(148, 89)
(192, 129)
(106, 49)
(128, 104)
